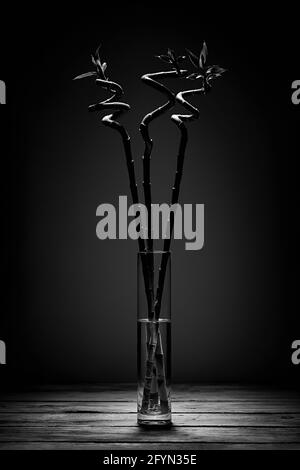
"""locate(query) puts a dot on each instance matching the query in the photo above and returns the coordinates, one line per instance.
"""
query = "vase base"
(154, 419)
(147, 423)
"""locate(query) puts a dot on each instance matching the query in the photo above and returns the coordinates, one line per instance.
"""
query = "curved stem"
(110, 120)
(179, 120)
(154, 335)
(151, 80)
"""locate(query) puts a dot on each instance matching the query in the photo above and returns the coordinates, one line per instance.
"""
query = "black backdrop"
(69, 300)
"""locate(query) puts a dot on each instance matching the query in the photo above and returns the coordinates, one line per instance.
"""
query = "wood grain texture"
(104, 417)
(129, 419)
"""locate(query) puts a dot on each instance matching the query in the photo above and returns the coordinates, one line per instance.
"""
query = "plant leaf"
(97, 55)
(163, 57)
(215, 69)
(193, 58)
(221, 71)
(171, 54)
(203, 56)
(85, 75)
(192, 76)
(214, 75)
(104, 66)
(181, 58)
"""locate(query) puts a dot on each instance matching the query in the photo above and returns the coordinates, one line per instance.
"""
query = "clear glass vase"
(154, 338)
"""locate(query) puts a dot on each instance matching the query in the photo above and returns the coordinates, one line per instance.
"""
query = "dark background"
(69, 300)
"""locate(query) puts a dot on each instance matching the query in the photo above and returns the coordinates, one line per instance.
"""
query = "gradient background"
(69, 300)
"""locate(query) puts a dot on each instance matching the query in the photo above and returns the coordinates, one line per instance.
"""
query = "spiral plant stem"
(110, 120)
(155, 374)
(155, 369)
(155, 341)
(179, 120)
(151, 80)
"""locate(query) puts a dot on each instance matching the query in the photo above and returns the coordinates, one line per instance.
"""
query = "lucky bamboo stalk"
(155, 367)
(153, 376)
(110, 120)
(144, 129)
(151, 80)
(206, 74)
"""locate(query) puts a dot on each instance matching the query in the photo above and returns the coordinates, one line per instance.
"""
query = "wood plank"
(104, 417)
(129, 419)
(87, 433)
(178, 394)
(194, 387)
(156, 447)
(269, 406)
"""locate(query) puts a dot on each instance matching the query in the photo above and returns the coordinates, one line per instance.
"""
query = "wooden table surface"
(104, 417)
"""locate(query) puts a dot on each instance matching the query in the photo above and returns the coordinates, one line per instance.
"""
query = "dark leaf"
(193, 58)
(94, 60)
(193, 76)
(203, 56)
(97, 55)
(93, 107)
(171, 54)
(213, 69)
(221, 71)
(165, 58)
(214, 75)
(85, 75)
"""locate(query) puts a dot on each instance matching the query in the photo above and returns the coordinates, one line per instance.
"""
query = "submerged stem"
(154, 370)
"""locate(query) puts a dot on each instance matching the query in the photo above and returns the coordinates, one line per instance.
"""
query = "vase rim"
(154, 252)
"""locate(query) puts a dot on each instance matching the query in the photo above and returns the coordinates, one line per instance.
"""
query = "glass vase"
(154, 338)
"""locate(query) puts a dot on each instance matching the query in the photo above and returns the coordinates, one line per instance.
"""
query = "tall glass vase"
(154, 338)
